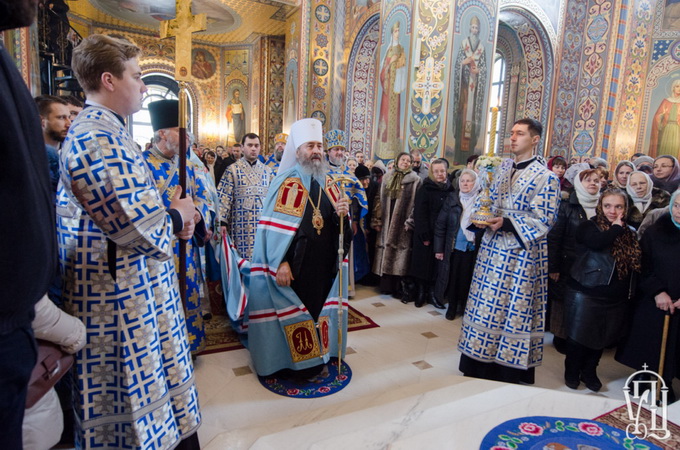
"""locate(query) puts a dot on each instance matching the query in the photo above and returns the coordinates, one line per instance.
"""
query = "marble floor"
(405, 390)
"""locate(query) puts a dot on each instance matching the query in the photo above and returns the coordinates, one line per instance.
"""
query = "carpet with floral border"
(328, 382)
(543, 432)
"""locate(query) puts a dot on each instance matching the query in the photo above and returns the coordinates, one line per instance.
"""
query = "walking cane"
(662, 356)
(341, 180)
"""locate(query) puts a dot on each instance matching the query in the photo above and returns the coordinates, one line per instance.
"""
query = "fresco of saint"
(393, 78)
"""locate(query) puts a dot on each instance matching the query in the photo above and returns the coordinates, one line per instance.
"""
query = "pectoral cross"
(181, 28)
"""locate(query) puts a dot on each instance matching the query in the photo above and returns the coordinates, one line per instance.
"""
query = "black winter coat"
(428, 203)
(660, 250)
(562, 237)
(445, 232)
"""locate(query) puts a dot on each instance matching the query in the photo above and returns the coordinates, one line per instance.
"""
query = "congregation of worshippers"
(582, 249)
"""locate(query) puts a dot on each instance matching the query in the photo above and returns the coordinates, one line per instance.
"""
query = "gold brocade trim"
(302, 341)
(292, 198)
(324, 333)
(332, 189)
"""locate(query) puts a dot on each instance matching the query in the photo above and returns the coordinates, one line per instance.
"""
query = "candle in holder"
(492, 134)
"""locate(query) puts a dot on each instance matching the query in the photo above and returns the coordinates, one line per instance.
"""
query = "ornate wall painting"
(392, 83)
(636, 60)
(292, 100)
(203, 64)
(320, 37)
(274, 92)
(660, 134)
(429, 75)
(361, 79)
(469, 85)
(338, 81)
(236, 93)
(290, 95)
(532, 60)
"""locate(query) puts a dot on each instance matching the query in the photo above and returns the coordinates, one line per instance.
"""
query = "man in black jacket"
(28, 255)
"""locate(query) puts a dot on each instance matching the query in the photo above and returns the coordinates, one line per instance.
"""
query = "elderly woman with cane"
(660, 296)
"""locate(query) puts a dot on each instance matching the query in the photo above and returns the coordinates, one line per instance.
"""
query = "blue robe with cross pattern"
(505, 313)
(135, 378)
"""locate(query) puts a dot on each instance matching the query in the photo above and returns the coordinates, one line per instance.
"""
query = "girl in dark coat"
(455, 246)
(643, 198)
(659, 295)
(429, 201)
(562, 246)
(598, 289)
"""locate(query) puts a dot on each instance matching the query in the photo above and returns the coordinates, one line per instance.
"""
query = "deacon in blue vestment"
(292, 312)
(503, 325)
(163, 161)
(135, 377)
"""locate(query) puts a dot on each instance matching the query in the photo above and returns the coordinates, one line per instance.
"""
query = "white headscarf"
(302, 131)
(573, 170)
(641, 203)
(587, 200)
(467, 200)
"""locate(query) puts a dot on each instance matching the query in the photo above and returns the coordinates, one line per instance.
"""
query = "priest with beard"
(292, 312)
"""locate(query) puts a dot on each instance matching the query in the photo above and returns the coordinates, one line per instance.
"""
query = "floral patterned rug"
(542, 432)
(326, 383)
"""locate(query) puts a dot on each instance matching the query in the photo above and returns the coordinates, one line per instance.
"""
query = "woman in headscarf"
(666, 173)
(456, 246)
(579, 208)
(599, 287)
(643, 198)
(392, 209)
(621, 173)
(659, 291)
(644, 164)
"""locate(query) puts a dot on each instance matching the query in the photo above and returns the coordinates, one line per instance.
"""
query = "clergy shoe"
(436, 303)
(589, 377)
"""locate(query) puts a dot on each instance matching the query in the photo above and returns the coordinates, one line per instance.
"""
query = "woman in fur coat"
(392, 209)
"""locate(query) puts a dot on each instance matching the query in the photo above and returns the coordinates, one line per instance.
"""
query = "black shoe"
(571, 375)
(436, 303)
(450, 315)
(592, 382)
(572, 384)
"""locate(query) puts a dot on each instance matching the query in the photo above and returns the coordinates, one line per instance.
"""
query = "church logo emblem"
(647, 389)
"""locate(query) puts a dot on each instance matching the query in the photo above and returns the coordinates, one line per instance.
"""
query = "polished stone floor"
(406, 389)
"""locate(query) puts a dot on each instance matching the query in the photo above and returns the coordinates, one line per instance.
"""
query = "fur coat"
(393, 247)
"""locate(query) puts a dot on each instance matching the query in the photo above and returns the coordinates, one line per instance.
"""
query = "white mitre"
(301, 132)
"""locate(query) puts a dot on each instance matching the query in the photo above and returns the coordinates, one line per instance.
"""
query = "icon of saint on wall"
(471, 73)
(203, 65)
(393, 78)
